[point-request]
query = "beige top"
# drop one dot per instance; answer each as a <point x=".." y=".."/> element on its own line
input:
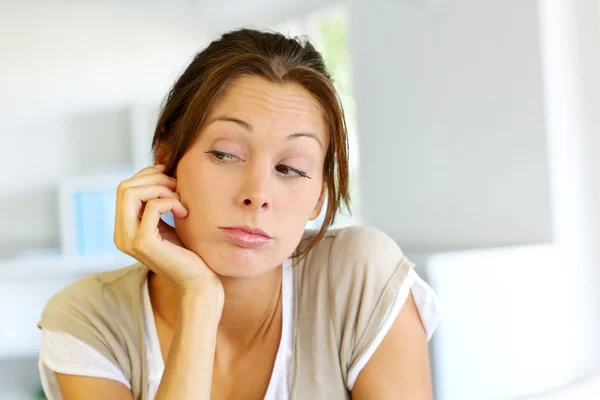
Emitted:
<point x="343" y="288"/>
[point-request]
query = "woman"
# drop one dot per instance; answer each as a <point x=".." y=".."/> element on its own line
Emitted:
<point x="238" y="301"/>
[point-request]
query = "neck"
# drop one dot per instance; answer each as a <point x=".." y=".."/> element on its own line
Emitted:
<point x="252" y="307"/>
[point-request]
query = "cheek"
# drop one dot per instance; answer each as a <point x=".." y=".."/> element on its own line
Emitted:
<point x="301" y="203"/>
<point x="202" y="193"/>
<point x="197" y="181"/>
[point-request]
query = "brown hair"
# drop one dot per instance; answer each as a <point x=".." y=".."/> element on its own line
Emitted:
<point x="276" y="58"/>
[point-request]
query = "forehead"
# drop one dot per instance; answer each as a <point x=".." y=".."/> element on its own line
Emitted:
<point x="261" y="102"/>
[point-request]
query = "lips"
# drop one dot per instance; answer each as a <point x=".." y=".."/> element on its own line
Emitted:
<point x="245" y="236"/>
<point x="253" y="231"/>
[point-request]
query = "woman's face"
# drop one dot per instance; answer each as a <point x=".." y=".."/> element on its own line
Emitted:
<point x="257" y="163"/>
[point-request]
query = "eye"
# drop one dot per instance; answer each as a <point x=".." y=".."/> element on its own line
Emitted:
<point x="222" y="156"/>
<point x="291" y="173"/>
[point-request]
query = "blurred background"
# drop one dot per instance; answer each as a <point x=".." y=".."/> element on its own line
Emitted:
<point x="474" y="141"/>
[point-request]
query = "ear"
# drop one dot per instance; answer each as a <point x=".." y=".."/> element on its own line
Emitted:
<point x="319" y="206"/>
<point x="162" y="154"/>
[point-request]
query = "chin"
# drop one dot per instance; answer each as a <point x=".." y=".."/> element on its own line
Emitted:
<point x="237" y="262"/>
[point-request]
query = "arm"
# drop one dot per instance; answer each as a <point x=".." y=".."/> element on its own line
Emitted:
<point x="189" y="367"/>
<point x="75" y="387"/>
<point x="399" y="368"/>
<point x="188" y="370"/>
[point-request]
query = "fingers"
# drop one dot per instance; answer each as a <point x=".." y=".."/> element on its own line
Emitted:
<point x="154" y="209"/>
<point x="150" y="178"/>
<point x="148" y="184"/>
<point x="148" y="192"/>
<point x="149" y="170"/>
<point x="132" y="202"/>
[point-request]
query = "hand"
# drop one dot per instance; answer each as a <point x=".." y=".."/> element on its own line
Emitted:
<point x="140" y="232"/>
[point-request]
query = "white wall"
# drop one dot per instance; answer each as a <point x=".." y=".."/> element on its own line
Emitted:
<point x="67" y="57"/>
<point x="64" y="56"/>
<point x="450" y="113"/>
<point x="570" y="34"/>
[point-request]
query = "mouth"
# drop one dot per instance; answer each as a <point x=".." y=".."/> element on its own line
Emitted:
<point x="245" y="236"/>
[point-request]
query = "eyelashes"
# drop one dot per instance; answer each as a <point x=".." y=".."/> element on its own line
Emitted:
<point x="285" y="170"/>
<point x="221" y="156"/>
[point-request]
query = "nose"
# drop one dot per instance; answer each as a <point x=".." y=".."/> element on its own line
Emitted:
<point x="254" y="192"/>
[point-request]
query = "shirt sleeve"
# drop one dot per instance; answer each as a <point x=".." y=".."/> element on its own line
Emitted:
<point x="428" y="306"/>
<point x="65" y="354"/>
<point x="366" y="271"/>
<point x="80" y="310"/>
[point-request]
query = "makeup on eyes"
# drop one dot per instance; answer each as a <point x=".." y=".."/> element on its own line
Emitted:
<point x="286" y="170"/>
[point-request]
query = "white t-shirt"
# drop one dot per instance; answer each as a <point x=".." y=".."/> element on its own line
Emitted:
<point x="63" y="353"/>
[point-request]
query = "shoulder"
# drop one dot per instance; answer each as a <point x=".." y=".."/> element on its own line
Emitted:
<point x="365" y="243"/>
<point x="355" y="248"/>
<point x="100" y="311"/>
<point x="91" y="295"/>
<point x="360" y="265"/>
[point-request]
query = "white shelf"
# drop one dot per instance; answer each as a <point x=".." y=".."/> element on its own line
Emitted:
<point x="54" y="266"/>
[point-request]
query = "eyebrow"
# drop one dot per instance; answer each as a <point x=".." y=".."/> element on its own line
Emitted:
<point x="248" y="127"/>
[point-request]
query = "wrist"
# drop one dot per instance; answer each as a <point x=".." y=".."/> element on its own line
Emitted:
<point x="202" y="297"/>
